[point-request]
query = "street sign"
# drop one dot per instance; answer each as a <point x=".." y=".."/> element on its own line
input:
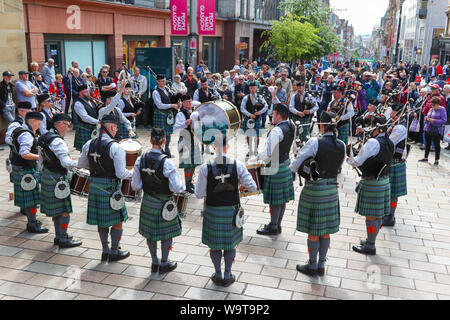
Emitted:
<point x="192" y="44"/>
<point x="243" y="45"/>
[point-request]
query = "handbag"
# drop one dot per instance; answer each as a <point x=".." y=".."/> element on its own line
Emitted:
<point x="415" y="126"/>
<point x="434" y="130"/>
<point x="447" y="132"/>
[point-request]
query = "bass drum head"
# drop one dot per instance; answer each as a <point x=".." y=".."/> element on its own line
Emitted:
<point x="218" y="116"/>
<point x="132" y="146"/>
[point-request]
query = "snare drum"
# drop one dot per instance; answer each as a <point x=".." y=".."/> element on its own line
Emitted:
<point x="181" y="200"/>
<point x="255" y="171"/>
<point x="79" y="185"/>
<point x="221" y="115"/>
<point x="128" y="193"/>
<point x="133" y="149"/>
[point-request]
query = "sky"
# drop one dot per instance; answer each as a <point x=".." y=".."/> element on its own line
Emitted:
<point x="362" y="14"/>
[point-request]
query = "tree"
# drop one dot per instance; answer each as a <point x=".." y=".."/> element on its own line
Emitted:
<point x="291" y="39"/>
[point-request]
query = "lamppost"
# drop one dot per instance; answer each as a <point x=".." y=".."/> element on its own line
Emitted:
<point x="193" y="36"/>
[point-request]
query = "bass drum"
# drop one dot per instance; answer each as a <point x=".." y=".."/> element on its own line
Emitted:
<point x="220" y="115"/>
<point x="133" y="150"/>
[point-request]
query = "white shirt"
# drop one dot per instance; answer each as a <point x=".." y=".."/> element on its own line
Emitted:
<point x="244" y="177"/>
<point x="257" y="98"/>
<point x="169" y="171"/>
<point x="116" y="153"/>
<point x="398" y="134"/>
<point x="370" y="148"/>
<point x="112" y="106"/>
<point x="121" y="106"/>
<point x="25" y="141"/>
<point x="292" y="104"/>
<point x="309" y="150"/>
<point x="348" y="114"/>
<point x="81" y="112"/>
<point x="43" y="128"/>
<point x="13" y="126"/>
<point x="59" y="147"/>
<point x="275" y="137"/>
<point x="157" y="100"/>
<point x="197" y="93"/>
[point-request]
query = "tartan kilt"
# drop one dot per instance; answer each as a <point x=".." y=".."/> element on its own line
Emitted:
<point x="318" y="208"/>
<point x="305" y="120"/>
<point x="152" y="226"/>
<point x="256" y="131"/>
<point x="219" y="232"/>
<point x="190" y="159"/>
<point x="279" y="188"/>
<point x="82" y="135"/>
<point x="99" y="212"/>
<point x="123" y="133"/>
<point x="50" y="205"/>
<point x="343" y="133"/>
<point x="374" y="198"/>
<point x="397" y="179"/>
<point x="160" y="120"/>
<point x="25" y="199"/>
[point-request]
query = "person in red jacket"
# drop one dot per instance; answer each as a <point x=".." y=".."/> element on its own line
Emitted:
<point x="427" y="106"/>
<point x="57" y="92"/>
<point x="439" y="69"/>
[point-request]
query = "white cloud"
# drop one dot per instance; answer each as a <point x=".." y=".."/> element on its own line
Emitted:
<point x="362" y="14"/>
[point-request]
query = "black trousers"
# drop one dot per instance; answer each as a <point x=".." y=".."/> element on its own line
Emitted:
<point x="437" y="145"/>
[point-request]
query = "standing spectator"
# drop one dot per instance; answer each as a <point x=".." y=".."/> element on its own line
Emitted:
<point x="244" y="65"/>
<point x="34" y="66"/>
<point x="75" y="64"/>
<point x="447" y="99"/>
<point x="251" y="78"/>
<point x="447" y="70"/>
<point x="89" y="73"/>
<point x="77" y="81"/>
<point x="240" y="91"/>
<point x="105" y="83"/>
<point x="178" y="86"/>
<point x="286" y="83"/>
<point x="25" y="90"/>
<point x="281" y="93"/>
<point x="414" y="72"/>
<point x="439" y="69"/>
<point x="37" y="81"/>
<point x="67" y="82"/>
<point x="57" y="91"/>
<point x="200" y="68"/>
<point x="371" y="86"/>
<point x="440" y="81"/>
<point x="424" y="73"/>
<point x="48" y="72"/>
<point x="224" y="92"/>
<point x="191" y="82"/>
<point x="8" y="98"/>
<point x="434" y="129"/>
<point x="432" y="71"/>
<point x="180" y="69"/>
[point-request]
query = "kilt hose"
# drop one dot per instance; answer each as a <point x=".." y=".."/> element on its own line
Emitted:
<point x="256" y="131"/>
<point x="99" y="212"/>
<point x="279" y="188"/>
<point x="189" y="158"/>
<point x="160" y="120"/>
<point x="25" y="199"/>
<point x="152" y="226"/>
<point x="374" y="198"/>
<point x="318" y="208"/>
<point x="50" y="205"/>
<point x="218" y="231"/>
<point x="306" y="129"/>
<point x="83" y="135"/>
<point x="343" y="133"/>
<point x="397" y="179"/>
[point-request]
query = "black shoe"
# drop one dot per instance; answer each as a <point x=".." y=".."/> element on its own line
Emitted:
<point x="267" y="231"/>
<point x="105" y="256"/>
<point x="56" y="241"/>
<point x="363" y="242"/>
<point x="423" y="160"/>
<point x="217" y="281"/>
<point x="22" y="211"/>
<point x="170" y="266"/>
<point x="436" y="163"/>
<point x="36" y="229"/>
<point x="279" y="230"/>
<point x="120" y="255"/>
<point x="364" y="250"/>
<point x="305" y="269"/>
<point x="155" y="268"/>
<point x="189" y="189"/>
<point x="389" y="221"/>
<point x="69" y="243"/>
<point x="422" y="147"/>
<point x="321" y="272"/>
<point x="228" y="282"/>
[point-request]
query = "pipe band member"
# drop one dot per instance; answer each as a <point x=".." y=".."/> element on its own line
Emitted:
<point x="218" y="181"/>
<point x="130" y="111"/>
<point x="105" y="159"/>
<point x="344" y="116"/>
<point x="397" y="171"/>
<point x="159" y="178"/>
<point x="318" y="209"/>
<point x="278" y="186"/>
<point x="24" y="156"/>
<point x="55" y="160"/>
<point x="45" y="105"/>
<point x="85" y="115"/>
<point x="374" y="192"/>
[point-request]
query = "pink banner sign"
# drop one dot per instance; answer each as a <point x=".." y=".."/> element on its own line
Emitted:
<point x="207" y="17"/>
<point x="178" y="17"/>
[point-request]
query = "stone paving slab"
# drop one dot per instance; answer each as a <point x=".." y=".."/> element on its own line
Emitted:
<point x="413" y="260"/>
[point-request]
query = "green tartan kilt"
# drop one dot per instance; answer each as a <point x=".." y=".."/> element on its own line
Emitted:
<point x="152" y="226"/>
<point x="25" y="199"/>
<point x="318" y="208"/>
<point x="219" y="232"/>
<point x="99" y="211"/>
<point x="160" y="120"/>
<point x="374" y="198"/>
<point x="279" y="188"/>
<point x="192" y="158"/>
<point x="124" y="134"/>
<point x="82" y="135"/>
<point x="50" y="205"/>
<point x="397" y="179"/>
<point x="343" y="133"/>
<point x="256" y="131"/>
<point x="305" y="120"/>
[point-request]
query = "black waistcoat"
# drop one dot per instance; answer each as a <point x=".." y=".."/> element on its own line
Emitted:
<point x="380" y="162"/>
<point x="164" y="98"/>
<point x="104" y="166"/>
<point x="89" y="109"/>
<point x="202" y="97"/>
<point x="220" y="194"/>
<point x="306" y="104"/>
<point x="48" y="120"/>
<point x="258" y="104"/>
<point x="128" y="107"/>
<point x="330" y="156"/>
<point x="51" y="161"/>
<point x="16" y="158"/>
<point x="155" y="183"/>
<point x="284" y="147"/>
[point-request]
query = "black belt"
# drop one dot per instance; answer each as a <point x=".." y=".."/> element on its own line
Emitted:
<point x="375" y="178"/>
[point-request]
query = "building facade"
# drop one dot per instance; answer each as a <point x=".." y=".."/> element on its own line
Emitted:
<point x="444" y="41"/>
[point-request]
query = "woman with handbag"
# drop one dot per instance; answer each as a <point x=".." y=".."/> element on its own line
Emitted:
<point x="434" y="128"/>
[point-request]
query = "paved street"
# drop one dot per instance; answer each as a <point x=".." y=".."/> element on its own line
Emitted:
<point x="412" y="262"/>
